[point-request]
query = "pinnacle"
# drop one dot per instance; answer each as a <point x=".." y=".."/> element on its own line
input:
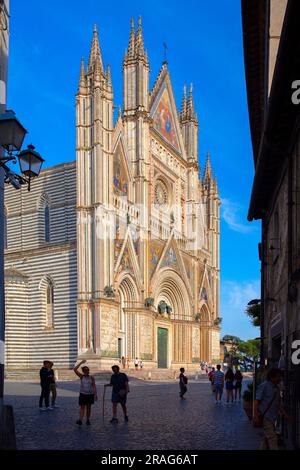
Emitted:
<point x="95" y="51"/>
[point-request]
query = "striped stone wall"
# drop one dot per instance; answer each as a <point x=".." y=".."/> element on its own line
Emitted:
<point x="31" y="262"/>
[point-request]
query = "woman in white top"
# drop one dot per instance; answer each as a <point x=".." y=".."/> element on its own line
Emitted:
<point x="88" y="392"/>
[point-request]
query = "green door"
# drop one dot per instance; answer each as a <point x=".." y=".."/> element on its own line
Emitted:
<point x="162" y="348"/>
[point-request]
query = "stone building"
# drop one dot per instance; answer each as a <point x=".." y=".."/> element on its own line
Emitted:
<point x="117" y="253"/>
<point x="271" y="46"/>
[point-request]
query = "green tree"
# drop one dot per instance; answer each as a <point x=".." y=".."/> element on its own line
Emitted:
<point x="231" y="339"/>
<point x="253" y="311"/>
<point x="246" y="352"/>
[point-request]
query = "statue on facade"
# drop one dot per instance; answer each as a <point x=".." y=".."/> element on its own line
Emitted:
<point x="109" y="291"/>
<point x="149" y="302"/>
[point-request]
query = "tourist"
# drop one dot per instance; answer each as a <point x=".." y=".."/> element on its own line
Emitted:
<point x="127" y="362"/>
<point x="229" y="378"/>
<point x="267" y="408"/>
<point x="238" y="377"/>
<point x="183" y="380"/>
<point x="53" y="387"/>
<point x="88" y="393"/>
<point x="211" y="379"/>
<point x="45" y="386"/>
<point x="136" y="363"/>
<point x="218" y="382"/>
<point x="141" y="364"/>
<point x="123" y="362"/>
<point x="120" y="389"/>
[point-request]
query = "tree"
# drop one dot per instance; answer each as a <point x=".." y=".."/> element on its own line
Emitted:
<point x="231" y="339"/>
<point x="246" y="352"/>
<point x="253" y="311"/>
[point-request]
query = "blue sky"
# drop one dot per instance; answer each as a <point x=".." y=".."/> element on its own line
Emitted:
<point x="47" y="41"/>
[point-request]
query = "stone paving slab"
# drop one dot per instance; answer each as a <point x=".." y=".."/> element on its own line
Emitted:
<point x="157" y="420"/>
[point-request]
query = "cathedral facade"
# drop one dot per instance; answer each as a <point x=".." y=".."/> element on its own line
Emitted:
<point x="117" y="253"/>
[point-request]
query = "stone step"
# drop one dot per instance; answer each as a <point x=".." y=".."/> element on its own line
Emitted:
<point x="68" y="374"/>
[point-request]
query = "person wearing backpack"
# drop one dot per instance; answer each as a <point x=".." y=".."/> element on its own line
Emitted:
<point x="211" y="379"/>
<point x="183" y="380"/>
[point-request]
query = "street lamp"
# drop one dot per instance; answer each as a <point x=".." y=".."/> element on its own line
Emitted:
<point x="30" y="162"/>
<point x="12" y="132"/>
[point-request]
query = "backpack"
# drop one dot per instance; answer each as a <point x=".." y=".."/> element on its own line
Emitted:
<point x="185" y="380"/>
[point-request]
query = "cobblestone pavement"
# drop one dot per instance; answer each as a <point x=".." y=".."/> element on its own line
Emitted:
<point x="158" y="420"/>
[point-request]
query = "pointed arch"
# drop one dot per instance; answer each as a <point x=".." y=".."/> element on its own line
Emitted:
<point x="170" y="287"/>
<point x="127" y="288"/>
<point x="128" y="294"/>
<point x="46" y="287"/>
<point x="44" y="217"/>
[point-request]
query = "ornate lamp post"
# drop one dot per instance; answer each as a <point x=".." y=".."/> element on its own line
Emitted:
<point x="12" y="134"/>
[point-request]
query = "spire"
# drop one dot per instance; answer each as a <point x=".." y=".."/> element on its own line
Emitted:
<point x="131" y="44"/>
<point x="95" y="51"/>
<point x="183" y="104"/>
<point x="82" y="82"/>
<point x="190" y="105"/>
<point x="208" y="170"/>
<point x="139" y="41"/>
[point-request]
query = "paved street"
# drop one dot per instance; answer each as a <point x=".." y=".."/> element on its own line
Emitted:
<point x="158" y="420"/>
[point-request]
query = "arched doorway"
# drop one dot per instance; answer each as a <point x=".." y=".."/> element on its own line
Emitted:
<point x="173" y="341"/>
<point x="128" y="297"/>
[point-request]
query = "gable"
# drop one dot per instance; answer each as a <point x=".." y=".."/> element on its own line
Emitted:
<point x="155" y="250"/>
<point x="205" y="293"/>
<point x="164" y="115"/>
<point x="171" y="258"/>
<point x="163" y="120"/>
<point x="128" y="260"/>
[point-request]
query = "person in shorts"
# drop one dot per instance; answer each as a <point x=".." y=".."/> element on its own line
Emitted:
<point x="120" y="389"/>
<point x="218" y="381"/>
<point x="88" y="393"/>
<point x="238" y="377"/>
<point x="229" y="378"/>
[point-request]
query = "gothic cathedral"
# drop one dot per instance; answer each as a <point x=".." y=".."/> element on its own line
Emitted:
<point x="128" y="264"/>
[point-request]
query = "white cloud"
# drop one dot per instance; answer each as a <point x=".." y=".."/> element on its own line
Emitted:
<point x="230" y="212"/>
<point x="234" y="298"/>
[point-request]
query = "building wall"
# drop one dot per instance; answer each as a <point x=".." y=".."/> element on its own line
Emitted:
<point x="282" y="320"/>
<point x="30" y="262"/>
